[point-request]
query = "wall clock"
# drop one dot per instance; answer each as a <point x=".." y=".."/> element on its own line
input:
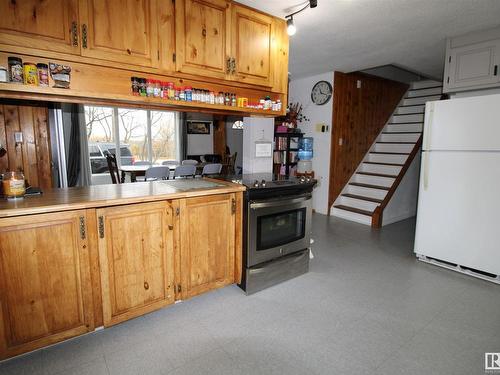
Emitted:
<point x="321" y="92"/>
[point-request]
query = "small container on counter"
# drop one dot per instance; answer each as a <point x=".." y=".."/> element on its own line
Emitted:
<point x="30" y="74"/>
<point x="13" y="184"/>
<point x="15" y="69"/>
<point x="43" y="74"/>
<point x="177" y="93"/>
<point x="182" y="93"/>
<point x="3" y="74"/>
<point x="164" y="90"/>
<point x="233" y="100"/>
<point x="212" y="97"/>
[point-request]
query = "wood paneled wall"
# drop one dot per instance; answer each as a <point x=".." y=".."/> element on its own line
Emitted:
<point x="33" y="155"/>
<point x="359" y="114"/>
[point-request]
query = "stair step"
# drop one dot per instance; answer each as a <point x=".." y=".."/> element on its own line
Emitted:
<point x="351" y="216"/>
<point x="389" y="153"/>
<point x="388" y="170"/>
<point x="403" y="128"/>
<point x="401" y="133"/>
<point x="424" y="84"/>
<point x="352" y="209"/>
<point x="410" y="110"/>
<point x="365" y="192"/>
<point x="399" y="137"/>
<point x="377" y="174"/>
<point x="361" y="204"/>
<point x="396" y="143"/>
<point x="369" y="186"/>
<point x="398" y="147"/>
<point x="369" y="199"/>
<point x="420" y="99"/>
<point x="387" y="158"/>
<point x="378" y="163"/>
<point x="437" y="90"/>
<point x="407" y="118"/>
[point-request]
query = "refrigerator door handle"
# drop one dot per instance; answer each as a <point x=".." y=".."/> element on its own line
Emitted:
<point x="425" y="169"/>
<point x="429" y="115"/>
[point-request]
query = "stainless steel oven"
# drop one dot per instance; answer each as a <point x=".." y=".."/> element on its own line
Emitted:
<point x="277" y="227"/>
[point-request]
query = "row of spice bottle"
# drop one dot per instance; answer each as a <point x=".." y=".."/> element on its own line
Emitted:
<point x="27" y="73"/>
<point x="168" y="90"/>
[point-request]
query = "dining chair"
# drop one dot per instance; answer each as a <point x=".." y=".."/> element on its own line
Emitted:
<point x="113" y="168"/>
<point x="189" y="162"/>
<point x="171" y="162"/>
<point x="157" y="173"/>
<point x="185" y="171"/>
<point x="211" y="169"/>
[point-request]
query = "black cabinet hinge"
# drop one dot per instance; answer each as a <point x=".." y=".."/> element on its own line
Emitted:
<point x="179" y="289"/>
<point x="449" y="59"/>
<point x="448" y="80"/>
<point x="233" y="206"/>
<point x="174" y="57"/>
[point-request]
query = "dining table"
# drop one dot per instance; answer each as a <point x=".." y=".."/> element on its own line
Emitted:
<point x="139" y="170"/>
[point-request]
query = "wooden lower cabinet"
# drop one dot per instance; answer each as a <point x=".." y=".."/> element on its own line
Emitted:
<point x="45" y="287"/>
<point x="136" y="259"/>
<point x="207" y="243"/>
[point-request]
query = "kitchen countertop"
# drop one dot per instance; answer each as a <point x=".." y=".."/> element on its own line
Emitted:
<point x="65" y="199"/>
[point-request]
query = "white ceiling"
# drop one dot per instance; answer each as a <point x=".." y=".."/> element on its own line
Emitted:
<point x="349" y="35"/>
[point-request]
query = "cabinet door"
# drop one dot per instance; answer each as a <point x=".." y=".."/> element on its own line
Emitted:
<point x="251" y="46"/>
<point x="45" y="25"/>
<point x="207" y="243"/>
<point x="473" y="65"/>
<point x="45" y="287"/>
<point x="120" y="31"/>
<point x="202" y="37"/>
<point x="136" y="259"/>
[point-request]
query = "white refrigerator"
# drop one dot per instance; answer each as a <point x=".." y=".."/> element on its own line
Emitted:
<point x="458" y="216"/>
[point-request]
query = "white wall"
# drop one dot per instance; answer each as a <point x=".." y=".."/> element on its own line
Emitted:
<point x="300" y="91"/>
<point x="200" y="144"/>
<point x="256" y="129"/>
<point x="403" y="203"/>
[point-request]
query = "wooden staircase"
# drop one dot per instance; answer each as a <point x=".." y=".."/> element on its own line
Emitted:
<point x="375" y="181"/>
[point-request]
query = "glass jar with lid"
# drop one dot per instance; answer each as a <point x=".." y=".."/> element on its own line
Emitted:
<point x="13" y="184"/>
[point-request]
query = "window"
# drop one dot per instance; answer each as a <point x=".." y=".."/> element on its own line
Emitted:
<point x="140" y="135"/>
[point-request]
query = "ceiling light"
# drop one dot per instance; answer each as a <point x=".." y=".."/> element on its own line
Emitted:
<point x="290" y="27"/>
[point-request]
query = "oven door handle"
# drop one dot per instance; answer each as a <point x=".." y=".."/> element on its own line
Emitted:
<point x="279" y="202"/>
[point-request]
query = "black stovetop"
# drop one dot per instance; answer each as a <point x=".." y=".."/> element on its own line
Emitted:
<point x="266" y="184"/>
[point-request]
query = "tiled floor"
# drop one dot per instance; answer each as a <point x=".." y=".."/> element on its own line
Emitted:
<point x="366" y="307"/>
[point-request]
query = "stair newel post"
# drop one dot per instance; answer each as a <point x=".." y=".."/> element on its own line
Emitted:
<point x="377" y="217"/>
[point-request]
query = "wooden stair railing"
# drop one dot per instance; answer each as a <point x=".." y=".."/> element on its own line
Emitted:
<point x="379" y="211"/>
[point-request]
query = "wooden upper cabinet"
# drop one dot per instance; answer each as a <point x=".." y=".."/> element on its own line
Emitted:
<point x="45" y="287"/>
<point x="202" y="37"/>
<point x="207" y="243"/>
<point x="50" y="25"/>
<point x="120" y="31"/>
<point x="136" y="259"/>
<point x="251" y="46"/>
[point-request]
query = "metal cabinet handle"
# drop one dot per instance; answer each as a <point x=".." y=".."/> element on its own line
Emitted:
<point x="82" y="227"/>
<point x="495" y="70"/>
<point x="233" y="65"/>
<point x="228" y="65"/>
<point x="101" y="227"/>
<point x="146" y="285"/>
<point x="74" y="33"/>
<point x="84" y="36"/>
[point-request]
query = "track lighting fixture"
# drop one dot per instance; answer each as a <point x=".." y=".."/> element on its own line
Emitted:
<point x="290" y="26"/>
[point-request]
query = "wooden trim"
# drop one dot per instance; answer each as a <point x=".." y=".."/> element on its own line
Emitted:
<point x="359" y="115"/>
<point x="377" y="214"/>
<point x="95" y="269"/>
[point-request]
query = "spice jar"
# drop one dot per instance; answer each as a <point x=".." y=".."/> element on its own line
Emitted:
<point x="182" y="93"/>
<point x="135" y="85"/>
<point x="142" y="87"/>
<point x="43" y="74"/>
<point x="30" y="74"/>
<point x="189" y="93"/>
<point x="15" y="69"/>
<point x="13" y="185"/>
<point x="3" y="74"/>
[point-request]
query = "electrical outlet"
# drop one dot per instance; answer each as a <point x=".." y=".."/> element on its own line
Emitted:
<point x="321" y="127"/>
